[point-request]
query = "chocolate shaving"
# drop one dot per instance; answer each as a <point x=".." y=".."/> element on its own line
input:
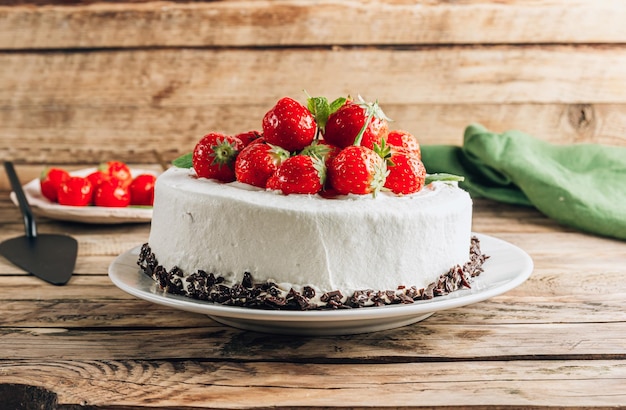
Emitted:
<point x="267" y="295"/>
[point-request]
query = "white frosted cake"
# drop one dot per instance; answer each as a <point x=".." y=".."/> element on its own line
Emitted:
<point x="236" y="244"/>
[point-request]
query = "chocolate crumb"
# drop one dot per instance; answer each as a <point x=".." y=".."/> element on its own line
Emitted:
<point x="267" y="295"/>
<point x="247" y="280"/>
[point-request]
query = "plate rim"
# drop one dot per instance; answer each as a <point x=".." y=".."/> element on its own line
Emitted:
<point x="456" y="299"/>
<point x="91" y="214"/>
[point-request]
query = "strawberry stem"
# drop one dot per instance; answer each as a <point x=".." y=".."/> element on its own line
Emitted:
<point x="359" y="136"/>
<point x="372" y="110"/>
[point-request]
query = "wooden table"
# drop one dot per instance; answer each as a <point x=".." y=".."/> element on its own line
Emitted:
<point x="142" y="80"/>
<point x="558" y="340"/>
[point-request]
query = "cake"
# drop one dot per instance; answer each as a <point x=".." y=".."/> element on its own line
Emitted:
<point x="310" y="245"/>
<point x="259" y="245"/>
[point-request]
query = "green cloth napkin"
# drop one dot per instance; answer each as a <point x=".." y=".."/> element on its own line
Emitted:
<point x="580" y="185"/>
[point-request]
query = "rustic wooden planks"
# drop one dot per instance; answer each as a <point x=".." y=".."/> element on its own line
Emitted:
<point x="63" y="107"/>
<point x="556" y="340"/>
<point x="141" y="81"/>
<point x="527" y="384"/>
<point x="428" y="341"/>
<point x="106" y="24"/>
<point x="137" y="81"/>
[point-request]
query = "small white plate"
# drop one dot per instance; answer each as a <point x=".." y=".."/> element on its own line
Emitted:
<point x="507" y="267"/>
<point x="41" y="206"/>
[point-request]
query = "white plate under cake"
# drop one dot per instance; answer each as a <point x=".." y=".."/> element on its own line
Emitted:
<point x="507" y="267"/>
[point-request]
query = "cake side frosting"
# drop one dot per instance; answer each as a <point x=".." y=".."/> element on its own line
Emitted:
<point x="347" y="244"/>
<point x="205" y="286"/>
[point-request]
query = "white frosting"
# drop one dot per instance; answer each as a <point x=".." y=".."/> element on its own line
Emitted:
<point x="349" y="243"/>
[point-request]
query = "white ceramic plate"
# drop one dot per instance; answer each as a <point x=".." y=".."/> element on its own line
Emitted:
<point x="507" y="267"/>
<point x="41" y="206"/>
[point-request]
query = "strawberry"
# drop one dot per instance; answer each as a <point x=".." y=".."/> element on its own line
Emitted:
<point x="257" y="162"/>
<point x="357" y="170"/>
<point x="214" y="156"/>
<point x="289" y="124"/>
<point x="75" y="191"/>
<point x="112" y="193"/>
<point x="248" y="137"/>
<point x="300" y="174"/>
<point x="142" y="190"/>
<point x="404" y="139"/>
<point x="406" y="172"/>
<point x="356" y="124"/>
<point x="50" y="180"/>
<point x="97" y="177"/>
<point x="117" y="170"/>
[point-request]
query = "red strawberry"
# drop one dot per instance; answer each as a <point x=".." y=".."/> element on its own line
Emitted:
<point x="357" y="170"/>
<point x="75" y="191"/>
<point x="406" y="172"/>
<point x="50" y="181"/>
<point x="111" y="193"/>
<point x="257" y="162"/>
<point x="356" y="124"/>
<point x="289" y="124"/>
<point x="300" y="174"/>
<point x="118" y="171"/>
<point x="248" y="137"/>
<point x="404" y="139"/>
<point x="142" y="190"/>
<point x="214" y="156"/>
<point x="97" y="177"/>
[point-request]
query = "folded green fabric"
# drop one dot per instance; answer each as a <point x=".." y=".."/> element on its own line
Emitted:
<point x="580" y="185"/>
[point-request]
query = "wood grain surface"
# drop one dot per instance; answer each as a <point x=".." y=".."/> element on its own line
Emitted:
<point x="113" y="24"/>
<point x="88" y="81"/>
<point x="556" y="341"/>
<point x="141" y="81"/>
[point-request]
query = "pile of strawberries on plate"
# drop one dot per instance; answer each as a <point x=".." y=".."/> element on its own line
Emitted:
<point x="339" y="147"/>
<point x="110" y="185"/>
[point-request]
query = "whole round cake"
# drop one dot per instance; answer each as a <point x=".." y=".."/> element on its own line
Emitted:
<point x="317" y="231"/>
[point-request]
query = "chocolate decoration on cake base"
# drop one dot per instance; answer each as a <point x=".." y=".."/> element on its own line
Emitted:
<point x="267" y="295"/>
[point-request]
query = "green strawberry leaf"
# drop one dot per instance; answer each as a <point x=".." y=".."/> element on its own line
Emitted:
<point x="443" y="177"/>
<point x="184" y="161"/>
<point x="320" y="167"/>
<point x="316" y="150"/>
<point x="373" y="109"/>
<point x="384" y="151"/>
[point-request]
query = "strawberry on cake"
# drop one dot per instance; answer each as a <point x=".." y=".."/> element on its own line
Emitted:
<point x="325" y="208"/>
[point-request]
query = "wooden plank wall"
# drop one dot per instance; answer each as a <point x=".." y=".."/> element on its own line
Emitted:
<point x="142" y="81"/>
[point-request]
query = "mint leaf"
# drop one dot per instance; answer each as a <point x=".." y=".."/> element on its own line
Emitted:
<point x="320" y="109"/>
<point x="443" y="177"/>
<point x="184" y="161"/>
<point x="337" y="104"/>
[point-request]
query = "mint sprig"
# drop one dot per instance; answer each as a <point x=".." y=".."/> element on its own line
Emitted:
<point x="322" y="109"/>
<point x="337" y="104"/>
<point x="443" y="177"/>
<point x="184" y="161"/>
